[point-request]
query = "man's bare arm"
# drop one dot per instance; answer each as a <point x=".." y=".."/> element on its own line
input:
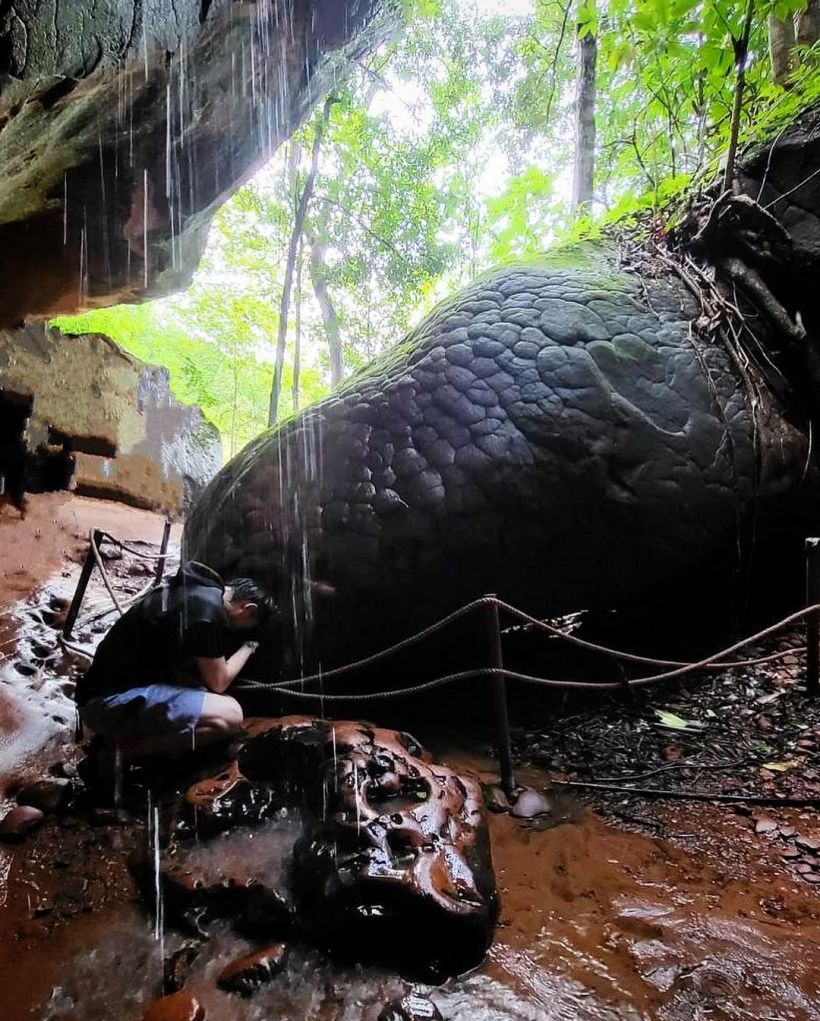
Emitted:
<point x="219" y="674"/>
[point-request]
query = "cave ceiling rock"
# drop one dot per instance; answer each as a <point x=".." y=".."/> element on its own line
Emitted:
<point x="125" y="125"/>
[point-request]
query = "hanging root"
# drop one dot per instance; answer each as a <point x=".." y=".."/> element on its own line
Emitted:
<point x="757" y="291"/>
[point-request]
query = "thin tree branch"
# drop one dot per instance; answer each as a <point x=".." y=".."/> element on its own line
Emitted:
<point x="295" y="234"/>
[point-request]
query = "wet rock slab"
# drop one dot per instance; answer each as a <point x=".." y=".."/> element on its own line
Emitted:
<point x="248" y="973"/>
<point x="181" y="1006"/>
<point x="20" y="821"/>
<point x="342" y="835"/>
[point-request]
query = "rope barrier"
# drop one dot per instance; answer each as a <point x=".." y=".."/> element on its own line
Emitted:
<point x="384" y="653"/>
<point x="286" y="688"/>
<point x="620" y="654"/>
<point x="139" y="553"/>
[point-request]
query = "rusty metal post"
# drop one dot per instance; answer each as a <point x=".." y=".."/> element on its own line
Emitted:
<point x="82" y="585"/>
<point x="163" y="549"/>
<point x="499" y="683"/>
<point x="813" y="619"/>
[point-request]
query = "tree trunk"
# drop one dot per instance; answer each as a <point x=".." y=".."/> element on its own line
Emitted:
<point x="293" y="244"/>
<point x="297" y="327"/>
<point x="781" y="48"/>
<point x="318" y="276"/>
<point x="584" y="170"/>
<point x="741" y="46"/>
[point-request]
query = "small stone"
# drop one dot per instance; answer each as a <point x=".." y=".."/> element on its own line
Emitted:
<point x="178" y="966"/>
<point x="64" y="769"/>
<point x="19" y="822"/>
<point x="791" y="855"/>
<point x="41" y="907"/>
<point x="787" y="832"/>
<point x="495" y="799"/>
<point x="531" y="803"/>
<point x="812" y="877"/>
<point x="803" y="868"/>
<point x="246" y="974"/>
<point x="765" y="825"/>
<point x="810" y="844"/>
<point x="412" y="1007"/>
<point x="47" y="795"/>
<point x="181" y="1006"/>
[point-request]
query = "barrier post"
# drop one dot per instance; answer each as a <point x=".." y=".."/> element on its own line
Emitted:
<point x="502" y="721"/>
<point x="82" y="585"/>
<point x="813" y="619"/>
<point x="163" y="549"/>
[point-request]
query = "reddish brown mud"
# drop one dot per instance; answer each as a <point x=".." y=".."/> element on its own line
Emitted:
<point x="678" y="912"/>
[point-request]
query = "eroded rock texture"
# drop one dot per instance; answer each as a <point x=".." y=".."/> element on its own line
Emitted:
<point x="558" y="433"/>
<point x="124" y="126"/>
<point x="383" y="856"/>
<point x="129" y="439"/>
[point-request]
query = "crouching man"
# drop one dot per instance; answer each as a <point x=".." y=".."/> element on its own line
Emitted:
<point x="158" y="679"/>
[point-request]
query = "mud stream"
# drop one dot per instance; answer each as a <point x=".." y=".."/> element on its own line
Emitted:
<point x="597" y="922"/>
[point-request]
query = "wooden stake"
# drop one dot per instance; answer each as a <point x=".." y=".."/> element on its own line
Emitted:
<point x="501" y="716"/>
<point x="813" y="619"/>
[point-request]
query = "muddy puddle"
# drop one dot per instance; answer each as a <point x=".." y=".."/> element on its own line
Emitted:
<point x="596" y="923"/>
<point x="683" y="912"/>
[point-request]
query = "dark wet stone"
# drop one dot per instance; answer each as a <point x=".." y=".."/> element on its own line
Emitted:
<point x="193" y="898"/>
<point x="246" y="975"/>
<point x="19" y="822"/>
<point x="495" y="799"/>
<point x="530" y="804"/>
<point x="228" y="799"/>
<point x="178" y="967"/>
<point x="48" y="795"/>
<point x="412" y="1007"/>
<point x="416" y="851"/>
<point x="181" y="1006"/>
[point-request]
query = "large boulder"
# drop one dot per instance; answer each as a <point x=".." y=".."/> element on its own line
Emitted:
<point x="559" y="433"/>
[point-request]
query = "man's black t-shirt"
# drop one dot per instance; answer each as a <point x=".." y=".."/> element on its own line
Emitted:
<point x="157" y="639"/>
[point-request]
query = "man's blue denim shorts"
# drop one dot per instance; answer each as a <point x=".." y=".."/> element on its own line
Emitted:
<point x="153" y="710"/>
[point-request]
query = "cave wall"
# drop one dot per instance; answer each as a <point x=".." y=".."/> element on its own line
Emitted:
<point x="124" y="125"/>
<point x="132" y="440"/>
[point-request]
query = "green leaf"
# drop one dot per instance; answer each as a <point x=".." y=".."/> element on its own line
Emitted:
<point x="671" y="720"/>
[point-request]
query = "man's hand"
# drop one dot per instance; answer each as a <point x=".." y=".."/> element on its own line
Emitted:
<point x="219" y="674"/>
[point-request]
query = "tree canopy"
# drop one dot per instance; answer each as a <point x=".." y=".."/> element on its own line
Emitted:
<point x="450" y="150"/>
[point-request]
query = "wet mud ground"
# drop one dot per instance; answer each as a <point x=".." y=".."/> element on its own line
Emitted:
<point x="613" y="905"/>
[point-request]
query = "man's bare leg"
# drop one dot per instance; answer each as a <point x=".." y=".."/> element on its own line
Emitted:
<point x="221" y="719"/>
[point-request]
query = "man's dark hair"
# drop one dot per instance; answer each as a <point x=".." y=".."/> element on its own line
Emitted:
<point x="245" y="590"/>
